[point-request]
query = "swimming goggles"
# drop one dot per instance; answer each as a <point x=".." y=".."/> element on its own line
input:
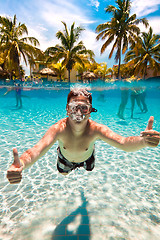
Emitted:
<point x="83" y="107"/>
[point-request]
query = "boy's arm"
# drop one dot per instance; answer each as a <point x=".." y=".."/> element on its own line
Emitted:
<point x="148" y="138"/>
<point x="32" y="155"/>
<point x="8" y="91"/>
<point x="14" y="173"/>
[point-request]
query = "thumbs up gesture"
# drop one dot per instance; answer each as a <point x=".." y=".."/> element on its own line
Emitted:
<point x="14" y="173"/>
<point x="151" y="136"/>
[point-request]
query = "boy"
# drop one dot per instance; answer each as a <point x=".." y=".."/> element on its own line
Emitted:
<point x="76" y="135"/>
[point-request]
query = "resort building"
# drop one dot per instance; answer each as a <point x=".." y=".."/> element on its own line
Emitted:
<point x="150" y="73"/>
<point x="41" y="70"/>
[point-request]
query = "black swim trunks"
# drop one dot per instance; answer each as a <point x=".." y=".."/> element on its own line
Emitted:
<point x="65" y="166"/>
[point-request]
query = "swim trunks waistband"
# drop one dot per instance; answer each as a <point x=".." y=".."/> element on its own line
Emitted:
<point x="65" y="166"/>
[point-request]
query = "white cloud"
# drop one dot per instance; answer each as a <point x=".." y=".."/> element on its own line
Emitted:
<point x="43" y="20"/>
<point x="39" y="33"/>
<point x="95" y="3"/>
<point x="89" y="40"/>
<point x="154" y="23"/>
<point x="50" y="18"/>
<point x="144" y="7"/>
<point x="53" y="13"/>
<point x="47" y="21"/>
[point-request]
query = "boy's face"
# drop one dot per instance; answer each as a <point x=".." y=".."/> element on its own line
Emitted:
<point x="79" y="108"/>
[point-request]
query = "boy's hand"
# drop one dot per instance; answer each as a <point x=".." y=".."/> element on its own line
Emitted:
<point x="151" y="136"/>
<point x="14" y="173"/>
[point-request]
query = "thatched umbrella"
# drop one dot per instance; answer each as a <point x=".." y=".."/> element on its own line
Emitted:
<point x="3" y="72"/>
<point x="48" y="72"/>
<point x="89" y="75"/>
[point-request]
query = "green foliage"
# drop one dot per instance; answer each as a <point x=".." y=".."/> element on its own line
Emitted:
<point x="102" y="71"/>
<point x="14" y="45"/>
<point x="59" y="69"/>
<point x="145" y="52"/>
<point x="70" y="51"/>
<point x="122" y="30"/>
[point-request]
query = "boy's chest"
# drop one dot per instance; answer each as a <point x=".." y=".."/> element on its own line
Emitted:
<point x="76" y="149"/>
<point x="71" y="143"/>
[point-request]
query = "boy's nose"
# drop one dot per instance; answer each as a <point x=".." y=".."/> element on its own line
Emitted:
<point x="79" y="110"/>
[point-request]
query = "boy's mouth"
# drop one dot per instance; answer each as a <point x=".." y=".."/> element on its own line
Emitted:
<point x="77" y="117"/>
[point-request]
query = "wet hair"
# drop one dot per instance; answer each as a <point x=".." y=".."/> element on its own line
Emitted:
<point x="75" y="92"/>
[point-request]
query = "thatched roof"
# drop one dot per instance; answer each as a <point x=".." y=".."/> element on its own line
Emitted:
<point x="47" y="71"/>
<point x="3" y="72"/>
<point x="89" y="75"/>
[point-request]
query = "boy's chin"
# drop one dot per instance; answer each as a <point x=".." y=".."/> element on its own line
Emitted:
<point x="78" y="120"/>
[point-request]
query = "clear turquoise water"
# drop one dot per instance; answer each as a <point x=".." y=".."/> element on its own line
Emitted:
<point x="121" y="193"/>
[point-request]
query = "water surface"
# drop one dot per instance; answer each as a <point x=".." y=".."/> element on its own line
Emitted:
<point x="119" y="199"/>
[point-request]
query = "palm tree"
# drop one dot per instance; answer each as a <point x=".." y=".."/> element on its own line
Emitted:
<point x="127" y="70"/>
<point x="80" y="69"/>
<point x="103" y="71"/>
<point x="122" y="29"/>
<point x="14" y="46"/>
<point x="69" y="51"/>
<point x="59" y="69"/>
<point x="146" y="52"/>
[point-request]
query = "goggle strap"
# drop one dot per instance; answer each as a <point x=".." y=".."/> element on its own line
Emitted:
<point x="93" y="110"/>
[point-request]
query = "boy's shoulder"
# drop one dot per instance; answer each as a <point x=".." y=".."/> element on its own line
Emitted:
<point x="60" y="125"/>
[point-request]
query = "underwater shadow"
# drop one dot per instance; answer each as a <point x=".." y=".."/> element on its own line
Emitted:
<point x="136" y="118"/>
<point x="16" y="108"/>
<point x="75" y="225"/>
<point x="122" y="122"/>
<point x="141" y="113"/>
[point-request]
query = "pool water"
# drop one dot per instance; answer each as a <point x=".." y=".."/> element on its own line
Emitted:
<point x="119" y="199"/>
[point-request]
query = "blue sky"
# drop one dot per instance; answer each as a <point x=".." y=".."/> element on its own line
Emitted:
<point x="43" y="19"/>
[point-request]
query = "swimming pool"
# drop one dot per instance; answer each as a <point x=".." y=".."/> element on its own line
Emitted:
<point x="119" y="199"/>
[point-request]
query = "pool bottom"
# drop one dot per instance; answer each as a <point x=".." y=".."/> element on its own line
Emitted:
<point x="120" y="196"/>
<point x="119" y="199"/>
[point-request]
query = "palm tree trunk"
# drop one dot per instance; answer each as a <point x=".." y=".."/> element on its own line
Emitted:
<point x="19" y="70"/>
<point x="69" y="75"/>
<point x="30" y="69"/>
<point x="119" y="64"/>
<point x="145" y="71"/>
<point x="119" y="58"/>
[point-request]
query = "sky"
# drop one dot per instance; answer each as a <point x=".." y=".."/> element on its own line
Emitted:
<point x="43" y="19"/>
